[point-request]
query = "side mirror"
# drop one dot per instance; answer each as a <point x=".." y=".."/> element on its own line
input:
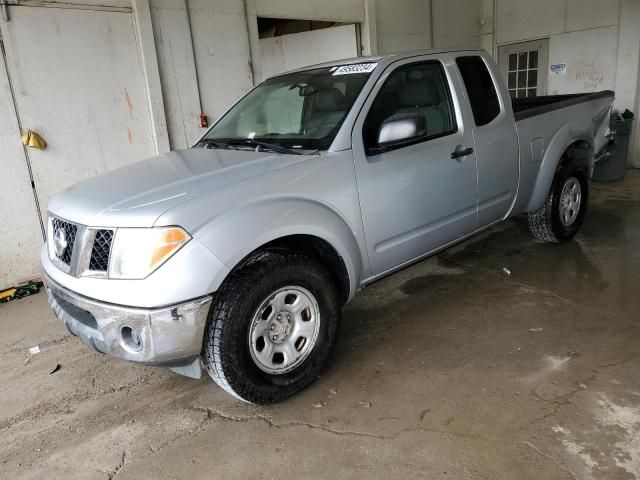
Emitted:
<point x="399" y="129"/>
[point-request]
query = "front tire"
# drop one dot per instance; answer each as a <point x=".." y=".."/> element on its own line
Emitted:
<point x="563" y="212"/>
<point x="271" y="326"/>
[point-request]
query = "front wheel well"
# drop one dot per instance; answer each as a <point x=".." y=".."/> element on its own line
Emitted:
<point x="317" y="248"/>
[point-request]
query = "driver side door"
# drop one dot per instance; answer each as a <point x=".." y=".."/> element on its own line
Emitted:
<point x="418" y="193"/>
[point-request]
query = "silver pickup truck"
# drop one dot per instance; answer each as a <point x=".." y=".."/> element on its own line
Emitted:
<point x="238" y="253"/>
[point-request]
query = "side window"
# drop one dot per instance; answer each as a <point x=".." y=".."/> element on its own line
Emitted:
<point x="480" y="89"/>
<point x="413" y="105"/>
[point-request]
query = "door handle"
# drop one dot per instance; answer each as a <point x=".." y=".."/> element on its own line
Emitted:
<point x="461" y="152"/>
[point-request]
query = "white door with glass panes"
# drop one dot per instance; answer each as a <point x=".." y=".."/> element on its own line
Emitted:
<point x="74" y="76"/>
<point x="524" y="68"/>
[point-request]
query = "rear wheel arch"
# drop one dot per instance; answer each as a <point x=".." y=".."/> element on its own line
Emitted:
<point x="561" y="150"/>
<point x="562" y="213"/>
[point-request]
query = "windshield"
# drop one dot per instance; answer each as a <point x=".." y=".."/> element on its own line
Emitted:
<point x="301" y="110"/>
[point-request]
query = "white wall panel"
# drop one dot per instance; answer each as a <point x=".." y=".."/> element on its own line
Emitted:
<point x="89" y="4"/>
<point x="457" y="23"/>
<point x="628" y="73"/>
<point x="221" y="44"/>
<point x="401" y="42"/>
<point x="346" y="11"/>
<point x="403" y="26"/>
<point x="20" y="236"/>
<point x="628" y="55"/>
<point x="83" y="91"/>
<point x="584" y="14"/>
<point x="519" y="20"/>
<point x="288" y="52"/>
<point x="177" y="72"/>
<point x="590" y="56"/>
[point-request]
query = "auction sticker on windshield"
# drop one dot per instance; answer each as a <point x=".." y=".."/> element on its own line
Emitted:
<point x="355" y="68"/>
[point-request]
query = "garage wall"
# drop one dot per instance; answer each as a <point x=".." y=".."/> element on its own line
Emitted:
<point x="599" y="40"/>
<point x="222" y="53"/>
<point x="403" y="27"/>
<point x="590" y="56"/>
<point x="408" y="25"/>
<point x="345" y="11"/>
<point x="297" y="50"/>
<point x="85" y="83"/>
<point x="176" y="63"/>
<point x="211" y="80"/>
<point x="457" y="23"/>
<point x="20" y="236"/>
<point x="224" y="68"/>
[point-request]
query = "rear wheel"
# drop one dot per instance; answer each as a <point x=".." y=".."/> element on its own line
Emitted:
<point x="271" y="327"/>
<point x="563" y="212"/>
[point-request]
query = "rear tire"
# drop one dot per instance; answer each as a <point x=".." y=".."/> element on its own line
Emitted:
<point x="563" y="211"/>
<point x="280" y="295"/>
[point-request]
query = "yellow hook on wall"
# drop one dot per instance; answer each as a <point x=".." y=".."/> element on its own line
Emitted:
<point x="32" y="139"/>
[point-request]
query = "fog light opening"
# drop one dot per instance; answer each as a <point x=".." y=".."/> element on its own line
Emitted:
<point x="131" y="339"/>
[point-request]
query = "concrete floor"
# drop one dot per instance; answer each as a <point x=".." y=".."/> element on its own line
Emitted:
<point x="449" y="369"/>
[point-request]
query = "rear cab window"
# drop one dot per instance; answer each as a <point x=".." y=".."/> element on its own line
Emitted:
<point x="480" y="88"/>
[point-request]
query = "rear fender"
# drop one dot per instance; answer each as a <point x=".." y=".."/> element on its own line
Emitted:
<point x="559" y="144"/>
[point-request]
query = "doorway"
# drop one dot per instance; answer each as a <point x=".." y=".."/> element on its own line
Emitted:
<point x="78" y="83"/>
<point x="524" y="67"/>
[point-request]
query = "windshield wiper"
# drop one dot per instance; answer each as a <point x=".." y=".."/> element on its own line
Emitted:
<point x="252" y="142"/>
<point x="211" y="143"/>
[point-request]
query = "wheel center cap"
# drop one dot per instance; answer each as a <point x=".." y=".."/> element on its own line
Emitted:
<point x="280" y="327"/>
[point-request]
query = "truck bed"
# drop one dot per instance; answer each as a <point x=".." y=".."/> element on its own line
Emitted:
<point x="532" y="106"/>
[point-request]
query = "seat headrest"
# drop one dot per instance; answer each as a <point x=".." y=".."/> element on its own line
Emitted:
<point x="419" y="93"/>
<point x="330" y="100"/>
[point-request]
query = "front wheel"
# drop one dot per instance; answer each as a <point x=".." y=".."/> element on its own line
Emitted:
<point x="563" y="212"/>
<point x="271" y="327"/>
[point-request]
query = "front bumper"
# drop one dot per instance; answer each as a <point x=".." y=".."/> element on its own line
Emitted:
<point x="169" y="336"/>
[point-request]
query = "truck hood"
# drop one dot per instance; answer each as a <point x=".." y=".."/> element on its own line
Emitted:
<point x="136" y="195"/>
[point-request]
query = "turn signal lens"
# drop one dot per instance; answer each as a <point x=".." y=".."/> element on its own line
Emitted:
<point x="170" y="241"/>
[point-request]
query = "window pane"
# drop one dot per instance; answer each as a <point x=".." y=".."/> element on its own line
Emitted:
<point x="512" y="80"/>
<point x="533" y="78"/>
<point x="298" y="109"/>
<point x="522" y="93"/>
<point x="418" y="90"/>
<point x="282" y="112"/>
<point x="531" y="92"/>
<point x="533" y="59"/>
<point x="512" y="93"/>
<point x="522" y="79"/>
<point x="513" y="61"/>
<point x="480" y="89"/>
<point x="522" y="61"/>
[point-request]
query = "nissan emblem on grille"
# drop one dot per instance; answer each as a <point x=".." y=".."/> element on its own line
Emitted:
<point x="63" y="237"/>
<point x="60" y="242"/>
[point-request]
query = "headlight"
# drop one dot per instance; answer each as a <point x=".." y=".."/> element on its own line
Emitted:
<point x="137" y="252"/>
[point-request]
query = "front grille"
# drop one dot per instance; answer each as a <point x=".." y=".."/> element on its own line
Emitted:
<point x="64" y="237"/>
<point x="101" y="249"/>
